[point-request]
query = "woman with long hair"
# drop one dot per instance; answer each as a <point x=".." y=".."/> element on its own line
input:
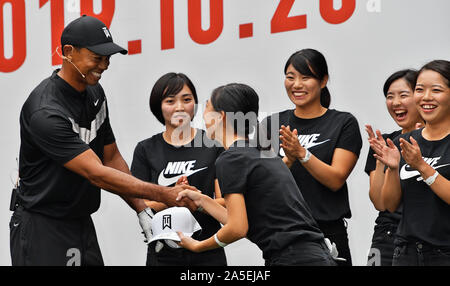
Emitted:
<point x="320" y="145"/>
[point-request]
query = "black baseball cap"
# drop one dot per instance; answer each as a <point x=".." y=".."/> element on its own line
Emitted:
<point x="90" y="33"/>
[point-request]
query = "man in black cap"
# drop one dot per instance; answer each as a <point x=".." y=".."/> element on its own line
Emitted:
<point x="68" y="153"/>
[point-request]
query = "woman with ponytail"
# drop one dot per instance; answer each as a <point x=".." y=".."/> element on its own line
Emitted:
<point x="320" y="145"/>
<point x="263" y="202"/>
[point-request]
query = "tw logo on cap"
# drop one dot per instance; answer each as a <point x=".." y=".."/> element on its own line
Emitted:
<point x="106" y="31"/>
<point x="167" y="221"/>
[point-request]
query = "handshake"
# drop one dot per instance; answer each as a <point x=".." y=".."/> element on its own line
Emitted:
<point x="173" y="199"/>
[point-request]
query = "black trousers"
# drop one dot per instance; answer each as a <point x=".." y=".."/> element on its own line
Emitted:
<point x="39" y="240"/>
<point x="419" y="253"/>
<point x="168" y="256"/>
<point x="302" y="253"/>
<point x="336" y="231"/>
<point x="382" y="248"/>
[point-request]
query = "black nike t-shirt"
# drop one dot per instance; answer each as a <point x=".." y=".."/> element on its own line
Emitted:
<point x="321" y="136"/>
<point x="384" y="217"/>
<point x="426" y="217"/>
<point x="161" y="163"/>
<point x="57" y="123"/>
<point x="277" y="213"/>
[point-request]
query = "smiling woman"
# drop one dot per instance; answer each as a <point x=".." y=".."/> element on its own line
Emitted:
<point x="318" y="144"/>
<point x="418" y="175"/>
<point x="399" y="95"/>
<point x="175" y="155"/>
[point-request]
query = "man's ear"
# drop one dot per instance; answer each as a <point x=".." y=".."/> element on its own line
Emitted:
<point x="68" y="51"/>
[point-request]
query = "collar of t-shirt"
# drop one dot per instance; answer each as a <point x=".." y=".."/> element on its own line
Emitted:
<point x="298" y="120"/>
<point x="66" y="88"/>
<point x="240" y="143"/>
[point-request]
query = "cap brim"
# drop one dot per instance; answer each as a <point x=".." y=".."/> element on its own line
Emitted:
<point x="169" y="235"/>
<point x="107" y="49"/>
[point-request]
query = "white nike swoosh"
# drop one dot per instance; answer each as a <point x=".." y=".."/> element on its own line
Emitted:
<point x="95" y="103"/>
<point x="404" y="174"/>
<point x="16" y="224"/>
<point x="163" y="181"/>
<point x="310" y="145"/>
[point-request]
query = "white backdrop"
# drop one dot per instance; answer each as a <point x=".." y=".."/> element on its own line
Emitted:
<point x="376" y="40"/>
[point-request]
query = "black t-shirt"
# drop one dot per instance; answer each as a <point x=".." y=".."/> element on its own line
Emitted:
<point x="277" y="213"/>
<point x="384" y="217"/>
<point x="161" y="163"/>
<point x="426" y="216"/>
<point x="321" y="136"/>
<point x="57" y="123"/>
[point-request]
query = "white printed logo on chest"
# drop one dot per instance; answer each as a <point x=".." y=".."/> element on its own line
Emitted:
<point x="179" y="168"/>
<point x="307" y="141"/>
<point x="407" y="173"/>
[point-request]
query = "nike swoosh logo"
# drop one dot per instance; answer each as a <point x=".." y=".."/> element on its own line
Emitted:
<point x="310" y="145"/>
<point x="95" y="103"/>
<point x="163" y="181"/>
<point x="16" y="224"/>
<point x="404" y="174"/>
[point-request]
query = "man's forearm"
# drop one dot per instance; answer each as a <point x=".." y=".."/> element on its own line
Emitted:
<point x="119" y="163"/>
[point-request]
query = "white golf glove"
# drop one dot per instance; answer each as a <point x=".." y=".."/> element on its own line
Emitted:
<point x="333" y="250"/>
<point x="145" y="220"/>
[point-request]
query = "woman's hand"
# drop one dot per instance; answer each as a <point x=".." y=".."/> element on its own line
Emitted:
<point x="182" y="181"/>
<point x="386" y="154"/>
<point x="195" y="196"/>
<point x="188" y="242"/>
<point x="290" y="144"/>
<point x="411" y="153"/>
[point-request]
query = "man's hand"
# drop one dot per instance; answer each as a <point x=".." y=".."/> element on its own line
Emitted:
<point x="145" y="221"/>
<point x="169" y="197"/>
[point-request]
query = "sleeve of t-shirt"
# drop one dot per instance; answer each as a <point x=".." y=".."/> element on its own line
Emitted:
<point x="350" y="137"/>
<point x="140" y="167"/>
<point x="53" y="134"/>
<point x="370" y="162"/>
<point x="231" y="171"/>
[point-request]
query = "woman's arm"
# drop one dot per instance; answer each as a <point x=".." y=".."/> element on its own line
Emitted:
<point x="218" y="194"/>
<point x="413" y="156"/>
<point x="391" y="192"/>
<point x="376" y="184"/>
<point x="332" y="176"/>
<point x="377" y="175"/>
<point x="235" y="228"/>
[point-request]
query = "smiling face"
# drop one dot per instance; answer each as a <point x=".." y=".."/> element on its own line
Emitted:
<point x="401" y="105"/>
<point x="432" y="97"/>
<point x="303" y="90"/>
<point x="178" y="109"/>
<point x="90" y="64"/>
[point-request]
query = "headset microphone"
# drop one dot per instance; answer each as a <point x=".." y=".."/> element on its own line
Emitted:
<point x="70" y="61"/>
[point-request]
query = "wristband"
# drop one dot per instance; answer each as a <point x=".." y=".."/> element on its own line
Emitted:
<point x="306" y="158"/>
<point x="430" y="180"/>
<point x="220" y="243"/>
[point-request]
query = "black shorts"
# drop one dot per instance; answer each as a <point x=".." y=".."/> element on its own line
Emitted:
<point x="39" y="240"/>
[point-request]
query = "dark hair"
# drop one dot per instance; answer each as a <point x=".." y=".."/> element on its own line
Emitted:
<point x="440" y="66"/>
<point x="410" y="76"/>
<point x="311" y="63"/>
<point x="169" y="84"/>
<point x="242" y="103"/>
